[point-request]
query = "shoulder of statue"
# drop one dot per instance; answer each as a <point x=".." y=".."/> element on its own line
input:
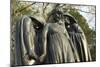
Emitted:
<point x="46" y="26"/>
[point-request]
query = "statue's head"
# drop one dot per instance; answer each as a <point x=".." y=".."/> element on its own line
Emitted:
<point x="58" y="16"/>
<point x="69" y="19"/>
<point x="36" y="23"/>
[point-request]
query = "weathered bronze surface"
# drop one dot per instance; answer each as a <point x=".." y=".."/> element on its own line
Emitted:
<point x="60" y="40"/>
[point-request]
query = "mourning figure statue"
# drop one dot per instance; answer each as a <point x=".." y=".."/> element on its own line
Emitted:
<point x="27" y="34"/>
<point x="78" y="39"/>
<point x="59" y="40"/>
<point x="56" y="40"/>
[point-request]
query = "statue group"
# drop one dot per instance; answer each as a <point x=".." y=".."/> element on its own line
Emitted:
<point x="60" y="40"/>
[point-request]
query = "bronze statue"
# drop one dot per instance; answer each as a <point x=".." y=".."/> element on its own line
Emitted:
<point x="56" y="41"/>
<point x="27" y="35"/>
<point x="77" y="37"/>
<point x="59" y="40"/>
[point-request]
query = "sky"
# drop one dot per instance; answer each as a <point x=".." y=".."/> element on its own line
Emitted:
<point x="89" y="17"/>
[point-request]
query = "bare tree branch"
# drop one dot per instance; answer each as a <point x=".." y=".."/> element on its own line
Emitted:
<point x="45" y="7"/>
<point x="24" y="8"/>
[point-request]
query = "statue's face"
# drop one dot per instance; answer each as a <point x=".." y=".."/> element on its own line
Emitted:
<point x="58" y="17"/>
<point x="67" y="20"/>
<point x="36" y="26"/>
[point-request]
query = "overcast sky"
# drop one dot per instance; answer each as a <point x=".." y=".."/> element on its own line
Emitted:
<point x="89" y="17"/>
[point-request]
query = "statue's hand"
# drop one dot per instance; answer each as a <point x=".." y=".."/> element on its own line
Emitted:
<point x="28" y="61"/>
<point x="33" y="55"/>
<point x="41" y="58"/>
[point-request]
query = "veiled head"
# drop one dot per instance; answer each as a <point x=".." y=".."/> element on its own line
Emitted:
<point x="58" y="16"/>
<point x="36" y="23"/>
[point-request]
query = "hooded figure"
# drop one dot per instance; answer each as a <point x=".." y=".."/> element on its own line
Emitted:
<point x="28" y="39"/>
<point x="78" y="39"/>
<point x="55" y="40"/>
